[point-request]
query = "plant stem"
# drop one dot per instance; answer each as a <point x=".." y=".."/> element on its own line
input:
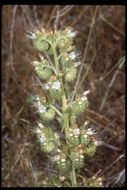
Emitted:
<point x="56" y="60"/>
<point x="57" y="111"/>
<point x="73" y="176"/>
<point x="66" y="128"/>
<point x="65" y="118"/>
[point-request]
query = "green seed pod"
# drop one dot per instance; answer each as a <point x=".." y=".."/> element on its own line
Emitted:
<point x="72" y="119"/>
<point x="70" y="74"/>
<point x="66" y="61"/>
<point x="40" y="43"/>
<point x="44" y="73"/>
<point x="90" y="150"/>
<point x="77" y="159"/>
<point x="48" y="115"/>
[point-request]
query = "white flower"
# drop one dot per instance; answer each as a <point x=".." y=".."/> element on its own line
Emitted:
<point x="38" y="131"/>
<point x="37" y="98"/>
<point x="80" y="102"/>
<point x="72" y="55"/>
<point x="46" y="86"/>
<point x="31" y="35"/>
<point x="90" y="131"/>
<point x="84" y="98"/>
<point x="77" y="63"/>
<point x="57" y="136"/>
<point x="81" y="156"/>
<point x="85" y="136"/>
<point x="42" y="139"/>
<point x="86" y="92"/>
<point x="98" y="143"/>
<point x="36" y="68"/>
<point x="76" y="131"/>
<point x="41" y="125"/>
<point x="56" y="158"/>
<point x="36" y="63"/>
<point x="41" y="108"/>
<point x="63" y="160"/>
<point x="56" y="85"/>
<point x="72" y="34"/>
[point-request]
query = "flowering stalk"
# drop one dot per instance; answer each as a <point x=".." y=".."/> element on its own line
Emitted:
<point x="66" y="154"/>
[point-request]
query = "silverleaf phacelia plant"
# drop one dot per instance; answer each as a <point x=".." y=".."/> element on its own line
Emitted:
<point x="57" y="69"/>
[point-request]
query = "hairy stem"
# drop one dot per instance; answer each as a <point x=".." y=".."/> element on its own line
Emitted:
<point x="65" y="117"/>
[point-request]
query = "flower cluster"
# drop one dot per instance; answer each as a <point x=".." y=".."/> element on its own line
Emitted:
<point x="79" y="105"/>
<point x="42" y="69"/>
<point x="54" y="87"/>
<point x="43" y="108"/>
<point x="48" y="139"/>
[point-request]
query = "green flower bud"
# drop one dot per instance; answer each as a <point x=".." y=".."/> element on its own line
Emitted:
<point x="79" y="106"/>
<point x="48" y="115"/>
<point x="64" y="44"/>
<point x="40" y="43"/>
<point x="70" y="74"/>
<point x="85" y="139"/>
<point x="74" y="137"/>
<point x="73" y="140"/>
<point x="77" y="159"/>
<point x="48" y="147"/>
<point x="94" y="182"/>
<point x="62" y="163"/>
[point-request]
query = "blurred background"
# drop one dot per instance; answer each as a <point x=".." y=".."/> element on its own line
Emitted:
<point x="101" y="43"/>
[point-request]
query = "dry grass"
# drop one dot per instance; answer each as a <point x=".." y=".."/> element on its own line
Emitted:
<point x="101" y="43"/>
